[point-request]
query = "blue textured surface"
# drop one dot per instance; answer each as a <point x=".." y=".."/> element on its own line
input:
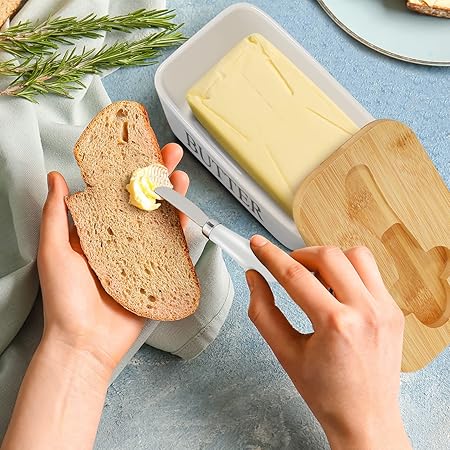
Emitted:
<point x="234" y="395"/>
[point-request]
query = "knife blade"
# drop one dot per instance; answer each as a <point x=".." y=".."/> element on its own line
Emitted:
<point x="183" y="204"/>
<point x="230" y="242"/>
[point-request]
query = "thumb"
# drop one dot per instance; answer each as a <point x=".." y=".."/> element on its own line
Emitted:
<point x="55" y="225"/>
<point x="269" y="320"/>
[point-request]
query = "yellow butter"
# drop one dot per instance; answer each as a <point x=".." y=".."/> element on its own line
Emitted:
<point x="269" y="116"/>
<point x="143" y="183"/>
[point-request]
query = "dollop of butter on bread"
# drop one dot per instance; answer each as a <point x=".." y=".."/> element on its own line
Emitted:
<point x="142" y="185"/>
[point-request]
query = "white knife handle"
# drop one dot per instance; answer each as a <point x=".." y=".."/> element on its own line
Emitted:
<point x="239" y="249"/>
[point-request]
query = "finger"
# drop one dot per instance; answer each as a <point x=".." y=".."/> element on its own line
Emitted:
<point x="171" y="155"/>
<point x="300" y="284"/>
<point x="323" y="282"/>
<point x="268" y="319"/>
<point x="75" y="240"/>
<point x="55" y="224"/>
<point x="335" y="270"/>
<point x="180" y="182"/>
<point x="365" y="265"/>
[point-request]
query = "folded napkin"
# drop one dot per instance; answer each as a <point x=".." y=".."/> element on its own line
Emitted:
<point x="35" y="139"/>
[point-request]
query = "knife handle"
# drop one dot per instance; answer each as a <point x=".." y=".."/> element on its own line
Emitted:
<point x="238" y="248"/>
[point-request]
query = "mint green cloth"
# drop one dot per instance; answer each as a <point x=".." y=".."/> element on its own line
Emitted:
<point x="35" y="139"/>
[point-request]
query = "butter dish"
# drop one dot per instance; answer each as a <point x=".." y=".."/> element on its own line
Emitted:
<point x="269" y="117"/>
<point x="192" y="60"/>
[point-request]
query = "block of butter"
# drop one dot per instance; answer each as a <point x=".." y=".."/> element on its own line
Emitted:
<point x="269" y="116"/>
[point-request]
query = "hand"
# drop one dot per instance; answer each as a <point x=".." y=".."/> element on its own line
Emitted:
<point x="77" y="311"/>
<point x="348" y="369"/>
<point x="86" y="333"/>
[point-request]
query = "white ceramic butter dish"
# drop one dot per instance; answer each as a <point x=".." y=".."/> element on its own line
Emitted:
<point x="193" y="59"/>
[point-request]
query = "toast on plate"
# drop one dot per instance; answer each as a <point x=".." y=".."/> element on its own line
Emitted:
<point x="437" y="8"/>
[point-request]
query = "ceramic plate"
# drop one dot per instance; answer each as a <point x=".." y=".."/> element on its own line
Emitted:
<point x="388" y="27"/>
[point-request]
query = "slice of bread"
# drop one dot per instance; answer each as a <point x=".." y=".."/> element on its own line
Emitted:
<point x="432" y="8"/>
<point x="7" y="9"/>
<point x="140" y="257"/>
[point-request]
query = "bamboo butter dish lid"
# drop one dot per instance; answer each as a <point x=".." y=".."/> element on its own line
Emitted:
<point x="381" y="190"/>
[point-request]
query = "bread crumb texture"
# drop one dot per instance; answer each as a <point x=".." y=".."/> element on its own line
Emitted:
<point x="437" y="8"/>
<point x="140" y="257"/>
<point x="7" y="9"/>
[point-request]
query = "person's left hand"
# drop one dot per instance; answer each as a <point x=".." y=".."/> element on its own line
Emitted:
<point x="78" y="313"/>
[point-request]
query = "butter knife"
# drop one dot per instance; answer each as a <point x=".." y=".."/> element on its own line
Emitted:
<point x="237" y="247"/>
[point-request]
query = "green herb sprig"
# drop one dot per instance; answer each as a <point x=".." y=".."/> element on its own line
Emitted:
<point x="39" y="69"/>
<point x="55" y="75"/>
<point x="27" y="38"/>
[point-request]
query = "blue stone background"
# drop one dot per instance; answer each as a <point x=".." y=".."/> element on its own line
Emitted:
<point x="234" y="395"/>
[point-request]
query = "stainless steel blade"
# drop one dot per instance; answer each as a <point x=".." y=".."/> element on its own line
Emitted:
<point x="184" y="205"/>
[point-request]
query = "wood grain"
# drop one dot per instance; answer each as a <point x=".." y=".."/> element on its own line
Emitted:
<point x="381" y="190"/>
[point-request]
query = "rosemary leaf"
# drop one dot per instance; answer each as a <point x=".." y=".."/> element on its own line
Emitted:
<point x="60" y="75"/>
<point x="28" y="38"/>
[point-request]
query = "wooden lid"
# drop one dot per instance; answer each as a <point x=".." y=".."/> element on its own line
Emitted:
<point x="381" y="190"/>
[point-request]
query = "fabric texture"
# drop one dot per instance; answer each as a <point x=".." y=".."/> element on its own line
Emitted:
<point x="38" y="138"/>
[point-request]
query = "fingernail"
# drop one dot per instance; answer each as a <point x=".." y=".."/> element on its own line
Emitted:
<point x="258" y="241"/>
<point x="49" y="182"/>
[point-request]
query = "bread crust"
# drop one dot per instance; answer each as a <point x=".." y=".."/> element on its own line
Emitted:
<point x="7" y="9"/>
<point x="423" y="8"/>
<point x="174" y="295"/>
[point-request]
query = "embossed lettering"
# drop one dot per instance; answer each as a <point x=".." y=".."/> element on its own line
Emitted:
<point x="191" y="143"/>
<point x="205" y="157"/>
<point x="256" y="210"/>
<point x="244" y="197"/>
<point x="234" y="187"/>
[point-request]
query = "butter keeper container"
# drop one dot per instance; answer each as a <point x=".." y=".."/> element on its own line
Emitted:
<point x="193" y="59"/>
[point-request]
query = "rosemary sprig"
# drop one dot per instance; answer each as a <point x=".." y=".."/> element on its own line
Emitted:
<point x="27" y="38"/>
<point x="59" y="75"/>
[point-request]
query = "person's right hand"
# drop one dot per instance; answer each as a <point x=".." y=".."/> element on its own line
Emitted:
<point x="348" y="369"/>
